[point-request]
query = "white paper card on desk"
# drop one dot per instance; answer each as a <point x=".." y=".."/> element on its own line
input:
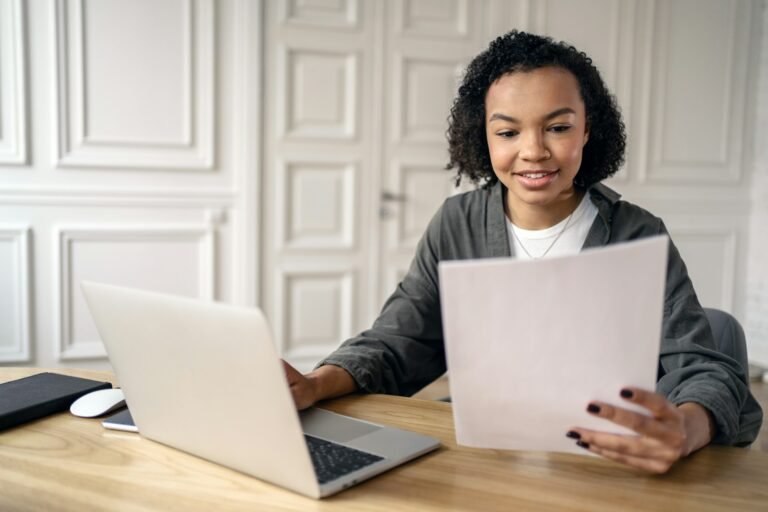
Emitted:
<point x="531" y="343"/>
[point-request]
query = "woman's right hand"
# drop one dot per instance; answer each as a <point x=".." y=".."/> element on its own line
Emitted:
<point x="328" y="381"/>
<point x="303" y="388"/>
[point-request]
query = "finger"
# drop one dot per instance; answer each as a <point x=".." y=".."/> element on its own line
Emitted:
<point x="654" y="402"/>
<point x="637" y="422"/>
<point x="636" y="446"/>
<point x="646" y="464"/>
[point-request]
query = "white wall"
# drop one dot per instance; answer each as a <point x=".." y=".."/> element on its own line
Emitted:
<point x="757" y="282"/>
<point x="128" y="154"/>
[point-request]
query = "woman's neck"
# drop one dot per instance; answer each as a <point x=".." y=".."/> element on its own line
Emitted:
<point x="535" y="217"/>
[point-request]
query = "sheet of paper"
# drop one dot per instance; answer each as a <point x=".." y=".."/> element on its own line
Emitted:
<point x="531" y="343"/>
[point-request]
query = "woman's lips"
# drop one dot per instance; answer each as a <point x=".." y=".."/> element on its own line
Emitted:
<point x="536" y="179"/>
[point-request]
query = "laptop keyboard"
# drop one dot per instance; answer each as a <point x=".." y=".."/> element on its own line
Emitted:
<point x="333" y="460"/>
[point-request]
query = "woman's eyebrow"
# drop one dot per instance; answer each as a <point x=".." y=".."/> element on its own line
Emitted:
<point x="502" y="117"/>
<point x="559" y="112"/>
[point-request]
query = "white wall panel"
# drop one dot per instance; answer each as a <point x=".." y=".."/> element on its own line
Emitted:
<point x="95" y="91"/>
<point x="15" y="282"/>
<point x="320" y="94"/>
<point x="317" y="311"/>
<point x="331" y="14"/>
<point x="710" y="255"/>
<point x="432" y="18"/>
<point x="135" y="83"/>
<point x="13" y="108"/>
<point x="318" y="308"/>
<point x="319" y="201"/>
<point x="423" y="188"/>
<point x="176" y="259"/>
<point x="424" y="98"/>
<point x="698" y="91"/>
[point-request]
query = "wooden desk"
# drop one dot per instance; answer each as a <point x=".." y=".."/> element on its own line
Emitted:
<point x="68" y="463"/>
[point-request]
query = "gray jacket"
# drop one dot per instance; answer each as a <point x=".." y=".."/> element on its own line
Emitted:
<point x="404" y="352"/>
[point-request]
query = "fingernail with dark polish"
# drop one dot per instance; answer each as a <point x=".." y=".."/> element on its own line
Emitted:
<point x="594" y="409"/>
<point x="583" y="444"/>
<point x="573" y="435"/>
<point x="627" y="393"/>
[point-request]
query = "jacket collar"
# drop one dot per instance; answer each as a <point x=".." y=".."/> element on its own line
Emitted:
<point x="496" y="220"/>
<point x="603" y="197"/>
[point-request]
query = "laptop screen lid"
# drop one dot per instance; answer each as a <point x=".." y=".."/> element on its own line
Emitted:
<point x="204" y="378"/>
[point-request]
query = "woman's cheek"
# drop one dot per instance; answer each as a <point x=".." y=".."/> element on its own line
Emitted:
<point x="574" y="152"/>
<point x="501" y="155"/>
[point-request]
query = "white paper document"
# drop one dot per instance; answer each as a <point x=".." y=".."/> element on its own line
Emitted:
<point x="530" y="343"/>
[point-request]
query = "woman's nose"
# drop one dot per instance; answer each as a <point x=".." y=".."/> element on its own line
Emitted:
<point x="533" y="148"/>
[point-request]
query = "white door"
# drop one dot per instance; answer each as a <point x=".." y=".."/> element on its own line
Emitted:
<point x="319" y="191"/>
<point x="426" y="47"/>
<point x="355" y="107"/>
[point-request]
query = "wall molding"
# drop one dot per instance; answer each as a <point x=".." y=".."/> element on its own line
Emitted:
<point x="75" y="148"/>
<point x="665" y="200"/>
<point x="349" y="127"/>
<point x="65" y="347"/>
<point x="459" y="28"/>
<point x="20" y="350"/>
<point x="349" y="19"/>
<point x="400" y="129"/>
<point x="46" y="195"/>
<point x="727" y="167"/>
<point x="309" y="355"/>
<point x="729" y="237"/>
<point x="13" y="101"/>
<point x="401" y="170"/>
<point x="347" y="238"/>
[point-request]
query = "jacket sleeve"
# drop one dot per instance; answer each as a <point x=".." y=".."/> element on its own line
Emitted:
<point x="692" y="370"/>
<point x="403" y="351"/>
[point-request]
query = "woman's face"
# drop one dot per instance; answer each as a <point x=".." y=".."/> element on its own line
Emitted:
<point x="536" y="129"/>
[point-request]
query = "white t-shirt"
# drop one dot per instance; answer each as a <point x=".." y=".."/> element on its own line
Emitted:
<point x="536" y="242"/>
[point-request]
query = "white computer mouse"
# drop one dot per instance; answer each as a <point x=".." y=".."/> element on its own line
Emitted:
<point x="98" y="403"/>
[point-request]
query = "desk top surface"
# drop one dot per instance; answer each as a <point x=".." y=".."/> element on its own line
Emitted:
<point x="68" y="463"/>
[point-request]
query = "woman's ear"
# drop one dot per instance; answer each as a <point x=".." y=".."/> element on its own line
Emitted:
<point x="586" y="134"/>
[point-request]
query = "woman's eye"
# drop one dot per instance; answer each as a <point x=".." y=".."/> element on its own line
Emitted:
<point x="560" y="128"/>
<point x="507" y="133"/>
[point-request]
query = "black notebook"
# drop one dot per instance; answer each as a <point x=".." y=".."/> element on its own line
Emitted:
<point x="40" y="395"/>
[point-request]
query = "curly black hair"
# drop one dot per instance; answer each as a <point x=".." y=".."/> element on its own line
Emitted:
<point x="603" y="153"/>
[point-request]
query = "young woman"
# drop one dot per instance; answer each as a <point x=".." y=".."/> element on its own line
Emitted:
<point x="535" y="127"/>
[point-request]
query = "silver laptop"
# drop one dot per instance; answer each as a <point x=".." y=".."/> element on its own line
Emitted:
<point x="205" y="378"/>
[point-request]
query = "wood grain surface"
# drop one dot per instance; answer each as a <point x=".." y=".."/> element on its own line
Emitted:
<point x="73" y="464"/>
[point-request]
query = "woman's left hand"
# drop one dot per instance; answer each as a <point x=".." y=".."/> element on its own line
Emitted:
<point x="670" y="433"/>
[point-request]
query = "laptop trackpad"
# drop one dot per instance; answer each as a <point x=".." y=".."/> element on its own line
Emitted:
<point x="334" y="427"/>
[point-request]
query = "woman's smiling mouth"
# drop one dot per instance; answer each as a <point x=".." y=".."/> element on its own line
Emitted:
<point x="535" y="174"/>
<point x="535" y="178"/>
